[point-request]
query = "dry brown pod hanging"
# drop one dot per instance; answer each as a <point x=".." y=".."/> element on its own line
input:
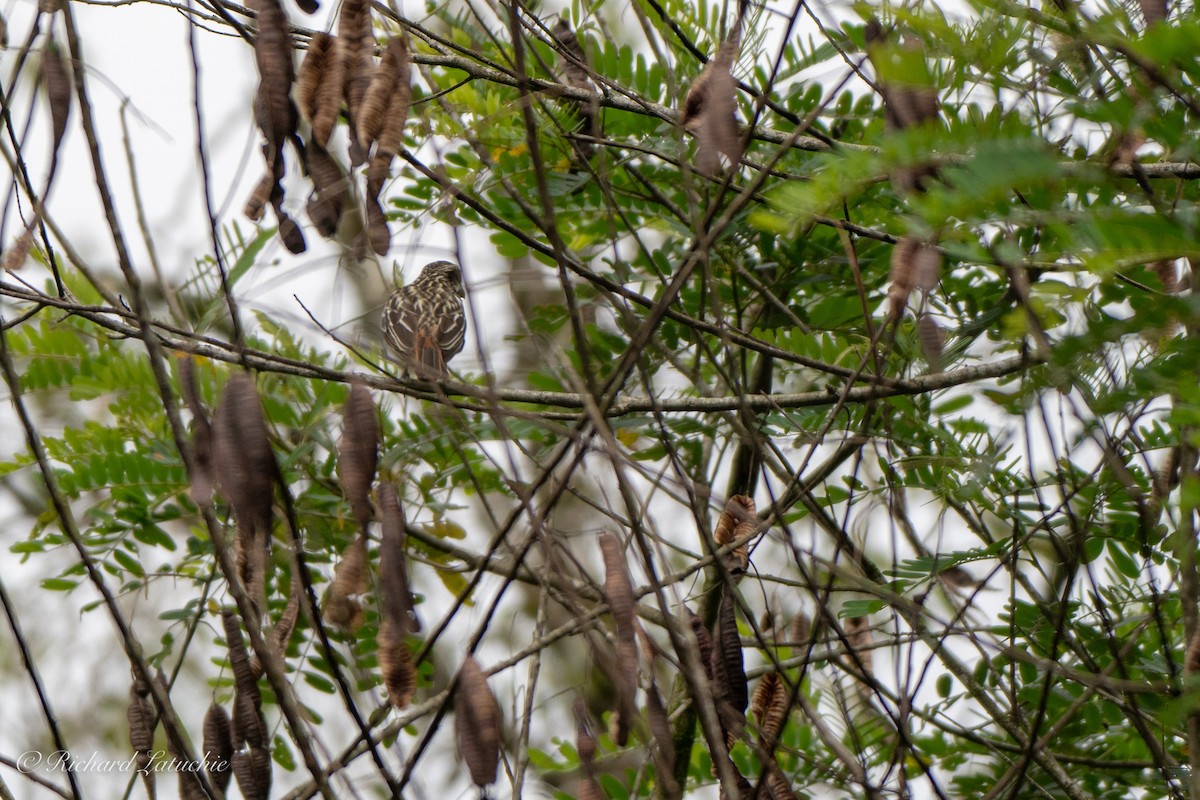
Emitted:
<point x="343" y="606"/>
<point x="218" y="746"/>
<point x="327" y="105"/>
<point x="247" y="473"/>
<point x="396" y="599"/>
<point x="737" y="521"/>
<point x="274" y="109"/>
<point x="327" y="200"/>
<point x="57" y="80"/>
<point x="358" y="452"/>
<point x="704" y="642"/>
<point x="729" y="674"/>
<point x="391" y="135"/>
<point x="477" y="723"/>
<point x="396" y="666"/>
<point x="281" y="633"/>
<point x="357" y="43"/>
<point x="141" y="717"/>
<point x="314" y="69"/>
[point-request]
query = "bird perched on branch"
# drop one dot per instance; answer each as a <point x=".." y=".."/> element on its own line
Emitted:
<point x="424" y="321"/>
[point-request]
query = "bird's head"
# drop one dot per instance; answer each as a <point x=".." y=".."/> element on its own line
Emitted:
<point x="444" y="272"/>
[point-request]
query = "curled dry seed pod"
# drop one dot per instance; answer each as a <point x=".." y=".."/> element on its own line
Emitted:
<point x="775" y="711"/>
<point x="57" y="80"/>
<point x="248" y="725"/>
<point x="3" y="32"/>
<point x="933" y="341"/>
<point x="281" y="634"/>
<point x="314" y="69"/>
<point x="737" y="521"/>
<point x="396" y="666"/>
<point x="396" y="606"/>
<point x="588" y="789"/>
<point x="358" y="452"/>
<point x="357" y="45"/>
<point x="273" y="54"/>
<point x="477" y="723"/>
<point x="218" y="746"/>
<point x="391" y="135"/>
<point x="729" y="673"/>
<point x="141" y="718"/>
<point x="660" y="728"/>
<point x="384" y="81"/>
<point x="327" y="200"/>
<point x="16" y="256"/>
<point x="762" y="695"/>
<point x="343" y="608"/>
<point x="203" y="479"/>
<point x="379" y="235"/>
<point x="259" y="197"/>
<point x="327" y="104"/>
<point x="903" y="274"/>
<point x="704" y="642"/>
<point x="247" y="473"/>
<point x="585" y="740"/>
<point x="778" y="787"/>
<point x="801" y="630"/>
<point x="253" y="771"/>
<point x="618" y="589"/>
<point x="244" y="678"/>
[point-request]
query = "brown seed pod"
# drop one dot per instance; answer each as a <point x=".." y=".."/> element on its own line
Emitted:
<point x="259" y="197"/>
<point x="778" y="787"/>
<point x="704" y="642"/>
<point x="203" y="478"/>
<point x="281" y="634"/>
<point x="385" y="80"/>
<point x="313" y="71"/>
<point x="618" y="589"/>
<point x="585" y="740"/>
<point x="477" y="723"/>
<point x="737" y="521"/>
<point x="327" y="105"/>
<point x="274" y="109"/>
<point x="933" y="341"/>
<point x="396" y="666"/>
<point x="16" y="256"/>
<point x="391" y="135"/>
<point x="358" y="452"/>
<point x="141" y="718"/>
<point x="358" y="44"/>
<point x="775" y="711"/>
<point x="244" y="678"/>
<point x="327" y="200"/>
<point x="379" y="234"/>
<point x="253" y="771"/>
<point x="343" y="607"/>
<point x="801" y="630"/>
<point x="218" y="746"/>
<point x="396" y="600"/>
<point x="762" y="695"/>
<point x="3" y="31"/>
<point x="660" y="728"/>
<point x="903" y="274"/>
<point x="729" y="673"/>
<point x="588" y="789"/>
<point x="246" y="472"/>
<point x="57" y="80"/>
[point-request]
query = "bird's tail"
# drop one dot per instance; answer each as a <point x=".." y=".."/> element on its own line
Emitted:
<point x="430" y="362"/>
